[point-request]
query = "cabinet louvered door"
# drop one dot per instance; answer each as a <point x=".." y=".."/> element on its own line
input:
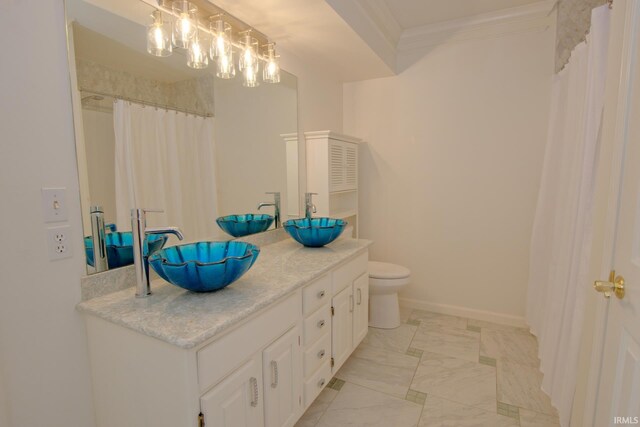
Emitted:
<point x="351" y="166"/>
<point x="337" y="174"/>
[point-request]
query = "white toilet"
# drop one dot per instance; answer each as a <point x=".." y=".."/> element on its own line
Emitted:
<point x="385" y="280"/>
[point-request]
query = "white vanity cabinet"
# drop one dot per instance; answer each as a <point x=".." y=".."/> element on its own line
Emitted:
<point x="350" y="308"/>
<point x="262" y="372"/>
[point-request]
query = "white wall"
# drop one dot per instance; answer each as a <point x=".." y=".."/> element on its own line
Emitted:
<point x="43" y="351"/>
<point x="449" y="175"/>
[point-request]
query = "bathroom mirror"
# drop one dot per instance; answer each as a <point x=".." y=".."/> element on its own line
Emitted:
<point x="153" y="133"/>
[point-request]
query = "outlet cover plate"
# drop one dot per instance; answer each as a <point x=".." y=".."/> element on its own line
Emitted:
<point x="54" y="204"/>
<point x="59" y="242"/>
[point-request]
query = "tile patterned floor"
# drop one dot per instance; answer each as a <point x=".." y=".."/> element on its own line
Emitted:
<point x="437" y="371"/>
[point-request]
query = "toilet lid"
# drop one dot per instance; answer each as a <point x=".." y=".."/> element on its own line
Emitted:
<point x="385" y="270"/>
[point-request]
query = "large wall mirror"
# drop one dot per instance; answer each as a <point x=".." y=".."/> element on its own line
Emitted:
<point x="153" y="133"/>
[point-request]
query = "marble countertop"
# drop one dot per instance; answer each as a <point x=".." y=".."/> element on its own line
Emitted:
<point x="188" y="319"/>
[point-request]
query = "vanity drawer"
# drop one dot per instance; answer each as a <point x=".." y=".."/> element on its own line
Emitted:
<point x="314" y="385"/>
<point x="317" y="354"/>
<point x="221" y="357"/>
<point x="346" y="274"/>
<point x="318" y="324"/>
<point x="316" y="294"/>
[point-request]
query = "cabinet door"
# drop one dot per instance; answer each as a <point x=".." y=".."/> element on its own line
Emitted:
<point x="342" y="326"/>
<point x="350" y="166"/>
<point x="361" y="310"/>
<point x="281" y="370"/>
<point x="337" y="170"/>
<point x="237" y="400"/>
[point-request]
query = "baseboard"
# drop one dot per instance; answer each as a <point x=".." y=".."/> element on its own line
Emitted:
<point x="487" y="316"/>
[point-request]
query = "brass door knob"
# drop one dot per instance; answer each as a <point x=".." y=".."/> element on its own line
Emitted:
<point x="615" y="285"/>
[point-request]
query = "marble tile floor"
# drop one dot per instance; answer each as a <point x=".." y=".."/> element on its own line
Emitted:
<point x="437" y="370"/>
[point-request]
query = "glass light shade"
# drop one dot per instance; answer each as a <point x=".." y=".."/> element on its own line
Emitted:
<point x="197" y="56"/>
<point x="185" y="24"/>
<point x="221" y="38"/>
<point x="271" y="69"/>
<point x="225" y="68"/>
<point x="249" y="54"/>
<point x="250" y="77"/>
<point x="158" y="36"/>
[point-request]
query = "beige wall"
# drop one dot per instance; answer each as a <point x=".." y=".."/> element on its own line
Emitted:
<point x="450" y="170"/>
<point x="42" y="338"/>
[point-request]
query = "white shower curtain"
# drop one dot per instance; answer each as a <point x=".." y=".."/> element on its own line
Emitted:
<point x="165" y="160"/>
<point x="561" y="240"/>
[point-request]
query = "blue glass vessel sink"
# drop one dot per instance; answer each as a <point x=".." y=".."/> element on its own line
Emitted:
<point x="315" y="232"/>
<point x="243" y="225"/>
<point x="204" y="266"/>
<point x="120" y="247"/>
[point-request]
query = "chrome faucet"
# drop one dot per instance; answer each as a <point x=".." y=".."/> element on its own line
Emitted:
<point x="276" y="206"/>
<point x="309" y="207"/>
<point x="140" y="247"/>
<point x="98" y="236"/>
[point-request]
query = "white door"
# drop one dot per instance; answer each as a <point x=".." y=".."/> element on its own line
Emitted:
<point x="342" y="326"/>
<point x="281" y="369"/>
<point x="361" y="311"/>
<point x="237" y="400"/>
<point x="619" y="385"/>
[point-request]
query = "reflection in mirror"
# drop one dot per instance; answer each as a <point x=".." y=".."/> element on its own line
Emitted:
<point x="154" y="133"/>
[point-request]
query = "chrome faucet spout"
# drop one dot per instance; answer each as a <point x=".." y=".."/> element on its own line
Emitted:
<point x="140" y="248"/>
<point x="276" y="207"/>
<point x="309" y="207"/>
<point x="166" y="230"/>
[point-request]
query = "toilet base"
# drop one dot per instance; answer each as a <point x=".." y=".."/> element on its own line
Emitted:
<point x="384" y="311"/>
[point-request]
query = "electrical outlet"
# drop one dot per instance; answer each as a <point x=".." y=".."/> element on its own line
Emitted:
<point x="59" y="242"/>
<point x="54" y="204"/>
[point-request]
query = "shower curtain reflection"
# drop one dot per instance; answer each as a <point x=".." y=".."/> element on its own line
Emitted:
<point x="165" y="160"/>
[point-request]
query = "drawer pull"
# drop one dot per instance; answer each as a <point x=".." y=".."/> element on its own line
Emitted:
<point x="321" y="354"/>
<point x="321" y="294"/>
<point x="274" y="374"/>
<point x="253" y="385"/>
<point x="321" y="383"/>
<point x="359" y="296"/>
<point x="320" y="323"/>
<point x="351" y="306"/>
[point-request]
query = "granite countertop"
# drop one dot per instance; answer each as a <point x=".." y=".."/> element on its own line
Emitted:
<point x="188" y="319"/>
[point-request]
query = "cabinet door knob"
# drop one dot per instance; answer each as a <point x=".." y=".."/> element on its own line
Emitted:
<point x="321" y="354"/>
<point x="321" y="383"/>
<point x="321" y="294"/>
<point x="359" y="296"/>
<point x="320" y="323"/>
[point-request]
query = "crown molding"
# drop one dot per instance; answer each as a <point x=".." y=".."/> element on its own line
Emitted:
<point x="374" y="23"/>
<point x="535" y="16"/>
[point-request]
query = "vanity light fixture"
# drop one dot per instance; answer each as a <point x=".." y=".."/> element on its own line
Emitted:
<point x="185" y="23"/>
<point x="158" y="37"/>
<point x="197" y="56"/>
<point x="271" y="69"/>
<point x="214" y="41"/>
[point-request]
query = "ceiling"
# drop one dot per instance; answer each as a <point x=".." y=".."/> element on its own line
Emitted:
<point x="347" y="40"/>
<point x="417" y="13"/>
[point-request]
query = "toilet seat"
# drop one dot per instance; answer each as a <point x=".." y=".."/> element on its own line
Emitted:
<point x="386" y="270"/>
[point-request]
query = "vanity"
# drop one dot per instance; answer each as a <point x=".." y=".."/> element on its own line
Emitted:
<point x="254" y="354"/>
